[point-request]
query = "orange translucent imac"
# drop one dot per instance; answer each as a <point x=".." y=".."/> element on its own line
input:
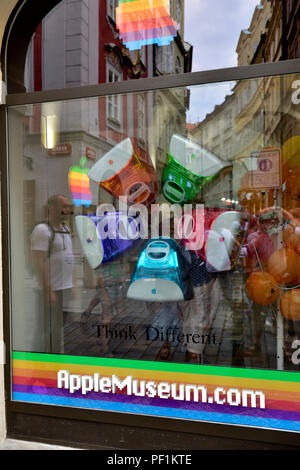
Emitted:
<point x="122" y="172"/>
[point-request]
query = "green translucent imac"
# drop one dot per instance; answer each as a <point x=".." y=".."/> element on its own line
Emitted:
<point x="188" y="167"/>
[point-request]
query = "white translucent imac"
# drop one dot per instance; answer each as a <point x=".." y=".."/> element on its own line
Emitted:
<point x="195" y="157"/>
<point x="220" y="241"/>
<point x="112" y="162"/>
<point x="90" y="241"/>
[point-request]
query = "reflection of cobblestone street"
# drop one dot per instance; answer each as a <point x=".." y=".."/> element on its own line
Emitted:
<point x="141" y="329"/>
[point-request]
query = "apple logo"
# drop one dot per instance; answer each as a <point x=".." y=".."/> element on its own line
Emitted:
<point x="79" y="184"/>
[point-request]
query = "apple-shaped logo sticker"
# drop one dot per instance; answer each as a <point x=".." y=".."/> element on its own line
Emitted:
<point x="79" y="184"/>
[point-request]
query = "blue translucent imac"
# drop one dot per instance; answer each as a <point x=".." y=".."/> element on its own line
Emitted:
<point x="161" y="273"/>
<point x="104" y="237"/>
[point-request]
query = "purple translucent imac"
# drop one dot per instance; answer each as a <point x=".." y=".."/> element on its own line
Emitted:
<point x="104" y="237"/>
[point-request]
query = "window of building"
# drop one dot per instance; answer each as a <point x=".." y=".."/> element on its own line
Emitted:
<point x="178" y="11"/>
<point x="142" y="118"/>
<point x="159" y="121"/>
<point x="178" y="67"/>
<point x="111" y="8"/>
<point x="113" y="103"/>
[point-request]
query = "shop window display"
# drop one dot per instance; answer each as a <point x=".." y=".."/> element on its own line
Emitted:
<point x="161" y="281"/>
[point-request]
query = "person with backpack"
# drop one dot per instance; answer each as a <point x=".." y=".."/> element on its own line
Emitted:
<point x="51" y="247"/>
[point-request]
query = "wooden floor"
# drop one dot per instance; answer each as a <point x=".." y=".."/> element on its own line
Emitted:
<point x="138" y="330"/>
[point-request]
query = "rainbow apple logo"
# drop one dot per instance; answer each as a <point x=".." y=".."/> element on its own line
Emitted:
<point x="79" y="184"/>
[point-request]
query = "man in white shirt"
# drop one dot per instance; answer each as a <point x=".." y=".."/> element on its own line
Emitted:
<point x="51" y="245"/>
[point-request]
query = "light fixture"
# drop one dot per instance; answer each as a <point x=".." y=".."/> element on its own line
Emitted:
<point x="50" y="114"/>
<point x="49" y="131"/>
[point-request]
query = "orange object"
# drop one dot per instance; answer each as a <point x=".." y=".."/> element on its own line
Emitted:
<point x="137" y="181"/>
<point x="290" y="304"/>
<point x="291" y="236"/>
<point x="124" y="173"/>
<point x="290" y="202"/>
<point x="261" y="288"/>
<point x="291" y="152"/>
<point x="296" y="213"/>
<point x="283" y="265"/>
<point x="251" y="198"/>
<point x="292" y="182"/>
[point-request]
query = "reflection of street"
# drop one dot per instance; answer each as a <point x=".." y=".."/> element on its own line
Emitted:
<point x="142" y="330"/>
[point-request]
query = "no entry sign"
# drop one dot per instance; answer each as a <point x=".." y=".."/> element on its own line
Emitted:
<point x="267" y="173"/>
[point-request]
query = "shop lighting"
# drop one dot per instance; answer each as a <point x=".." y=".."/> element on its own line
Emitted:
<point x="49" y="131"/>
<point x="50" y="114"/>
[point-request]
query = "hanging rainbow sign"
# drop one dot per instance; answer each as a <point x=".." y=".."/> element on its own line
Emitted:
<point x="144" y="22"/>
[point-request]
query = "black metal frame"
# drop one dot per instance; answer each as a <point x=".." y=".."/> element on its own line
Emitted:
<point x="158" y="83"/>
<point x="134" y="422"/>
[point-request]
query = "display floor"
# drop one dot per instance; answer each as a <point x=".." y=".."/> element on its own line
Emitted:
<point x="231" y="332"/>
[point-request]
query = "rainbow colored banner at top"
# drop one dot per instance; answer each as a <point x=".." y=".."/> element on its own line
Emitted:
<point x="144" y="22"/>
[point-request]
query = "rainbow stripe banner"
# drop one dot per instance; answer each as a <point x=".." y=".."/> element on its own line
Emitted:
<point x="160" y="389"/>
<point x="143" y="22"/>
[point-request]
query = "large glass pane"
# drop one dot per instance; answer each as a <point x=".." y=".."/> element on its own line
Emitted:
<point x="138" y="235"/>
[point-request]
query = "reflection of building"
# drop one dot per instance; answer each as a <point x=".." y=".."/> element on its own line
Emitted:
<point x="291" y="50"/>
<point x="79" y="39"/>
<point x="250" y="38"/>
<point x="175" y="58"/>
<point x="247" y="119"/>
<point x="78" y="44"/>
<point x="170" y="105"/>
<point x="292" y="29"/>
<point x="216" y="133"/>
<point x="281" y="42"/>
<point x="81" y="43"/>
<point x="234" y="130"/>
<point x="259" y="113"/>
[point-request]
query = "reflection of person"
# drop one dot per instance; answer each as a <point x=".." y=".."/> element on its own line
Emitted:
<point x="231" y="282"/>
<point x="259" y="246"/>
<point x="290" y="222"/>
<point x="51" y="246"/>
<point x="110" y="293"/>
<point x="197" y="313"/>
